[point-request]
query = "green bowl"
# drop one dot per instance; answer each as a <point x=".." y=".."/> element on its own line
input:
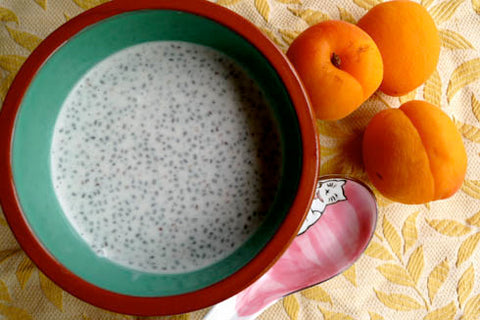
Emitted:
<point x="29" y="115"/>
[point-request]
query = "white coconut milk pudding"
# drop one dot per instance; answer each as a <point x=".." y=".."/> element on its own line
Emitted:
<point x="165" y="157"/>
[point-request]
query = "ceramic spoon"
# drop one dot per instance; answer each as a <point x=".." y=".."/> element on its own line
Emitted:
<point x="323" y="248"/>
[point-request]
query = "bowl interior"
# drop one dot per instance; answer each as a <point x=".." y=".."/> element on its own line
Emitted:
<point x="39" y="111"/>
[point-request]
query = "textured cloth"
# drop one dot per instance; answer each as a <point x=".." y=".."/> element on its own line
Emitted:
<point x="423" y="262"/>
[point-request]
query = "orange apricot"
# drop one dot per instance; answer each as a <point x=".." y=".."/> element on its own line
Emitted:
<point x="408" y="40"/>
<point x="414" y="154"/>
<point x="339" y="65"/>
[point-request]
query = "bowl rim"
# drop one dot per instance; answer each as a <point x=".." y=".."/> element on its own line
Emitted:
<point x="186" y="302"/>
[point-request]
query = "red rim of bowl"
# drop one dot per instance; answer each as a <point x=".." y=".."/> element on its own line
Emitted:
<point x="169" y="304"/>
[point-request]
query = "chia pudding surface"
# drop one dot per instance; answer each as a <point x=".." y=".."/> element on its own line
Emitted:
<point x="165" y="157"/>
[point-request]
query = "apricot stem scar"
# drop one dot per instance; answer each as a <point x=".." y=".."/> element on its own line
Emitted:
<point x="335" y="59"/>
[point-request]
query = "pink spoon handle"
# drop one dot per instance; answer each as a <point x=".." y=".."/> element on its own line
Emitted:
<point x="324" y="248"/>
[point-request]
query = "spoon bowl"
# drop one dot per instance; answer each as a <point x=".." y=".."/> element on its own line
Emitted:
<point x="323" y="249"/>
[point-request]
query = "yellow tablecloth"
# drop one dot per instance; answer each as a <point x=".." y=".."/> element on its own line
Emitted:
<point x="423" y="262"/>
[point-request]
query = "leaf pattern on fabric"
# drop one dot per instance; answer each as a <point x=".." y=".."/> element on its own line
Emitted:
<point x="467" y="248"/>
<point x="42" y="3"/>
<point x="7" y="15"/>
<point x="14" y="313"/>
<point x="263" y="8"/>
<point x="437" y="278"/>
<point x="51" y="291"/>
<point x="472" y="308"/>
<point x="378" y="251"/>
<point x="444" y="11"/>
<point x="366" y="4"/>
<point x="291" y="306"/>
<point x="465" y="285"/>
<point x="396" y="274"/>
<point x="317" y="293"/>
<point x="273" y="37"/>
<point x="453" y="40"/>
<point x="4" y="294"/>
<point x="393" y="238"/>
<point x="11" y="63"/>
<point x="7" y="253"/>
<point x="288" y="35"/>
<point x="426" y="3"/>
<point x="396" y="301"/>
<point x="310" y="16"/>
<point x="332" y="315"/>
<point x="475" y="107"/>
<point x="474" y="220"/>
<point x="27" y="40"/>
<point x="449" y="227"/>
<point x="228" y="2"/>
<point x="289" y="1"/>
<point x="351" y="275"/>
<point x="345" y="15"/>
<point x="5" y="84"/>
<point x="375" y="316"/>
<point x="24" y="271"/>
<point x="463" y="75"/>
<point x="415" y="264"/>
<point x="409" y="231"/>
<point x="472" y="188"/>
<point x="88" y="4"/>
<point x="476" y="6"/>
<point x="432" y="91"/>
<point x="447" y="312"/>
<point x="468" y="131"/>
